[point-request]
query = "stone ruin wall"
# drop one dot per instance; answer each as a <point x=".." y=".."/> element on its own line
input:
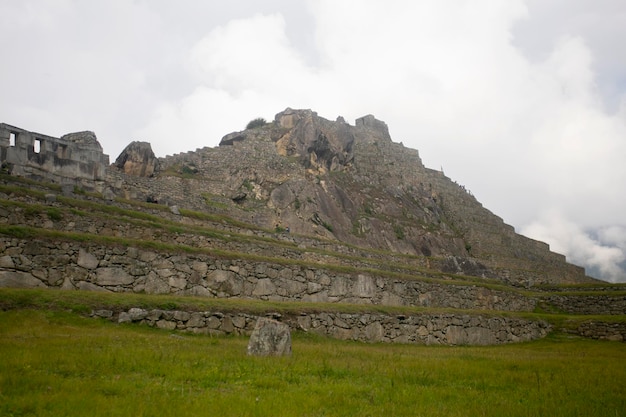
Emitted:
<point x="427" y="329"/>
<point x="71" y="266"/>
<point x="84" y="266"/>
<point x="69" y="159"/>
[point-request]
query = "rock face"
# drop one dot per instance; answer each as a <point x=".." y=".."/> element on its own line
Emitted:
<point x="322" y="146"/>
<point x="137" y="159"/>
<point x="270" y="337"/>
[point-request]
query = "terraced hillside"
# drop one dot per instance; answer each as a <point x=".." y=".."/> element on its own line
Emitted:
<point x="337" y="227"/>
<point x="84" y="242"/>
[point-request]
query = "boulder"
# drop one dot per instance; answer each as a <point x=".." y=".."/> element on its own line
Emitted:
<point x="137" y="159"/>
<point x="270" y="337"/>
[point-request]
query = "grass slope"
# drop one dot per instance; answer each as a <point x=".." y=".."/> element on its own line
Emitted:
<point x="56" y="362"/>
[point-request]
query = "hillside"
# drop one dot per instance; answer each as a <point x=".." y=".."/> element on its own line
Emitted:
<point x="300" y="210"/>
<point x="350" y="184"/>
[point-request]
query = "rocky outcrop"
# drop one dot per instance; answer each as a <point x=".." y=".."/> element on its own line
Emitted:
<point x="321" y="146"/>
<point x="137" y="159"/>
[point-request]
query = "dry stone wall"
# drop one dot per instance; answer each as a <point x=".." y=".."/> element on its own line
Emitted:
<point x="428" y="329"/>
<point x="588" y="304"/>
<point x="71" y="265"/>
<point x="615" y="332"/>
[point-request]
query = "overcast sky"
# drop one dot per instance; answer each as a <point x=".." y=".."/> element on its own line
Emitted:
<point x="523" y="102"/>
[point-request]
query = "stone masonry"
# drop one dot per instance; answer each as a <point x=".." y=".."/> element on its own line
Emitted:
<point x="426" y="329"/>
<point x="69" y="159"/>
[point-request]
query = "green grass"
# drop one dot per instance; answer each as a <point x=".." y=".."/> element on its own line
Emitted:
<point x="59" y="363"/>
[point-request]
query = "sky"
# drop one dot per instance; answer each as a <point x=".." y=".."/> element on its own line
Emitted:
<point x="521" y="101"/>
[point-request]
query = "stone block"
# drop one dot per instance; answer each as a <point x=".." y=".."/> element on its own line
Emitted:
<point x="166" y="324"/>
<point x="16" y="279"/>
<point x="137" y="314"/>
<point x="264" y="286"/>
<point x="6" y="262"/>
<point x="270" y="337"/>
<point x="113" y="276"/>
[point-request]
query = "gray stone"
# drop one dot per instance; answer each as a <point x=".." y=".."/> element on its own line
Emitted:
<point x="270" y="337"/>
<point x="364" y="287"/>
<point x="374" y="332"/>
<point x="6" y="262"/>
<point x="264" y="286"/>
<point x="182" y="315"/>
<point x="113" y="276"/>
<point x="199" y="291"/>
<point x="239" y="322"/>
<point x="15" y="279"/>
<point x="156" y="285"/>
<point x="224" y="282"/>
<point x="196" y="320"/>
<point x="86" y="260"/>
<point x="227" y="325"/>
<point x="107" y="314"/>
<point x="177" y="283"/>
<point x="124" y="317"/>
<point x="137" y="159"/>
<point x="338" y="287"/>
<point x="137" y="314"/>
<point x="166" y="324"/>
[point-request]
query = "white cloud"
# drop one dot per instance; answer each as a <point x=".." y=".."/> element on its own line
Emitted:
<point x="523" y="134"/>
<point x="567" y="237"/>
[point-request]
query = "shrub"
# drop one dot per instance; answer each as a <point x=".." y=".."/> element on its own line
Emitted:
<point x="258" y="122"/>
<point x="399" y="231"/>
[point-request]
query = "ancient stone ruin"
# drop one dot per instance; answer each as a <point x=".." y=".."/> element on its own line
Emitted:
<point x="302" y="209"/>
<point x="72" y="157"/>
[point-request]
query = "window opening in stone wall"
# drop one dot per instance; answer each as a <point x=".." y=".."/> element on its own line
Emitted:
<point x="37" y="146"/>
<point x="12" y="137"/>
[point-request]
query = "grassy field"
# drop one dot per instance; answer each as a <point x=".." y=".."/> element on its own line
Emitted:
<point x="56" y="363"/>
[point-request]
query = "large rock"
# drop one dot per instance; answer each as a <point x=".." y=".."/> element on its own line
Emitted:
<point x="321" y="145"/>
<point x="137" y="159"/>
<point x="16" y="279"/>
<point x="270" y="337"/>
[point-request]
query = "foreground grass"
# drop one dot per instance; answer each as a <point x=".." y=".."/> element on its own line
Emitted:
<point x="60" y="363"/>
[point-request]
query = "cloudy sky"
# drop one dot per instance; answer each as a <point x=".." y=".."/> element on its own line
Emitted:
<point x="521" y="101"/>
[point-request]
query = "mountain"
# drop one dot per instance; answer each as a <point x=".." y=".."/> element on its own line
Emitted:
<point x="353" y="184"/>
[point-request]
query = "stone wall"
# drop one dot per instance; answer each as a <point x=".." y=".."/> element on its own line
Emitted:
<point x="72" y="157"/>
<point x="604" y="331"/>
<point x="84" y="266"/>
<point x="588" y="304"/>
<point x="429" y="329"/>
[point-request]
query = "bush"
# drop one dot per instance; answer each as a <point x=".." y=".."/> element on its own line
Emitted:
<point x="258" y="122"/>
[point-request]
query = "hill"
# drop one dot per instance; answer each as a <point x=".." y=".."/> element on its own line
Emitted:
<point x="302" y="210"/>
